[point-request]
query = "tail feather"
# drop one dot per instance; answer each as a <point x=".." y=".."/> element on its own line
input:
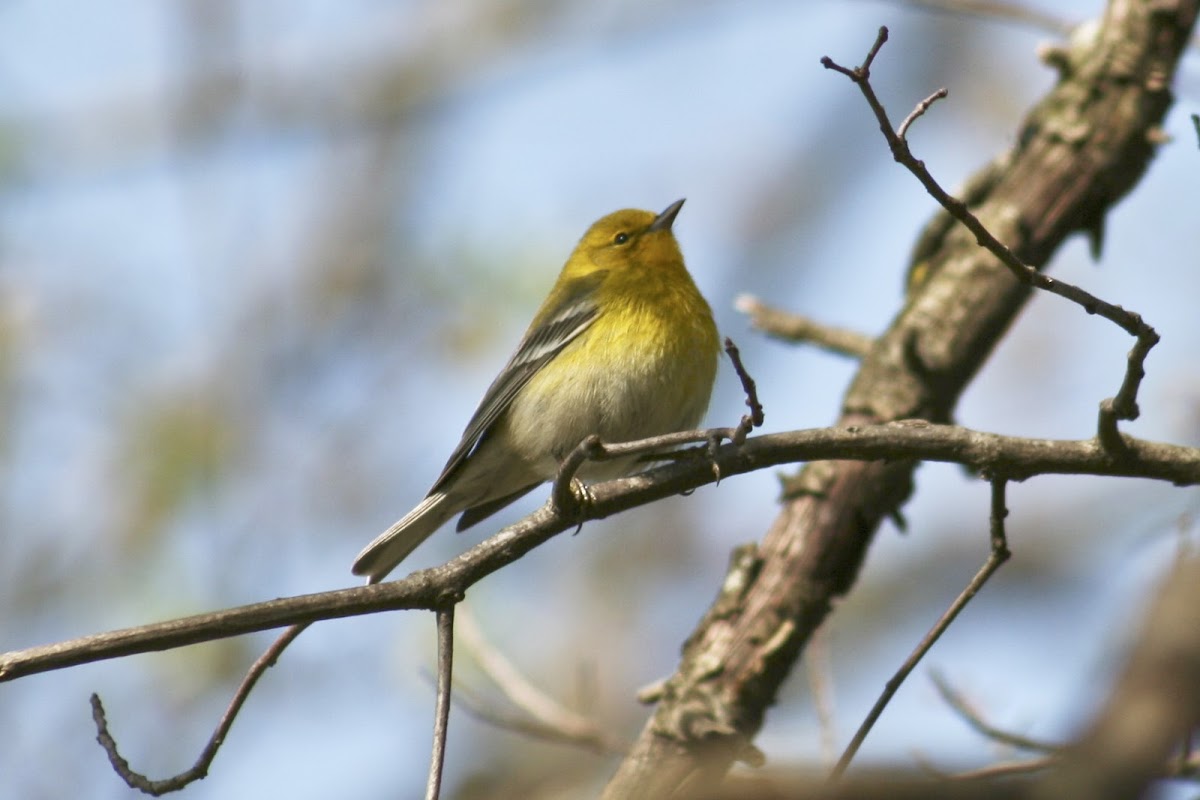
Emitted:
<point x="482" y="511"/>
<point x="391" y="547"/>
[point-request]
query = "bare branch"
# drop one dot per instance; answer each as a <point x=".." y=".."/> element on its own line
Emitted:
<point x="791" y="327"/>
<point x="1121" y="407"/>
<point x="920" y="110"/>
<point x="748" y="385"/>
<point x="535" y="729"/>
<point x="434" y="588"/>
<point x="1008" y="769"/>
<point x="441" y="718"/>
<point x="959" y="703"/>
<point x="547" y="718"/>
<point x="199" y="769"/>
<point x="1003" y="12"/>
<point x="998" y="555"/>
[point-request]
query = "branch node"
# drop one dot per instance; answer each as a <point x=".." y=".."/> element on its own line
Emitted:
<point x="1108" y="433"/>
<point x="713" y="446"/>
<point x="862" y="73"/>
<point x="999" y="512"/>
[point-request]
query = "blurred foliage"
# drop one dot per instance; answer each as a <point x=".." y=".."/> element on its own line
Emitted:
<point x="177" y="448"/>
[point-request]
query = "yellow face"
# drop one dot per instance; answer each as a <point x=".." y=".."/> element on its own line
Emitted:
<point x="625" y="239"/>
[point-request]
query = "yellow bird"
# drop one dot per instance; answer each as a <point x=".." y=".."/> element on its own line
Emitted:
<point x="624" y="347"/>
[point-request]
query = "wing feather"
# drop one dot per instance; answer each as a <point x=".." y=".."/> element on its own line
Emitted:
<point x="554" y="329"/>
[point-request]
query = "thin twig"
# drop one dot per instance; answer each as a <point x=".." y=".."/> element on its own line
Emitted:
<point x="920" y="110"/>
<point x="791" y="327"/>
<point x="1000" y="12"/>
<point x="748" y="385"/>
<point x="956" y="701"/>
<point x="441" y="720"/>
<point x="820" y="686"/>
<point x="199" y="769"/>
<point x="548" y="718"/>
<point x="997" y="556"/>
<point x="1121" y="407"/>
<point x="533" y="728"/>
<point x="748" y="422"/>
<point x="1007" y="769"/>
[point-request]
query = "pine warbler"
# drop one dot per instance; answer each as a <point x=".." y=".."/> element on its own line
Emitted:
<point x="624" y="347"/>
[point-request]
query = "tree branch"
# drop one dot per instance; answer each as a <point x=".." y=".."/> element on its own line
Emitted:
<point x="543" y="717"/>
<point x="441" y="717"/>
<point x="996" y="557"/>
<point x="199" y="769"/>
<point x="790" y="327"/>
<point x="438" y="587"/>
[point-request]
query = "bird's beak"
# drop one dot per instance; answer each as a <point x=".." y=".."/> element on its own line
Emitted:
<point x="664" y="220"/>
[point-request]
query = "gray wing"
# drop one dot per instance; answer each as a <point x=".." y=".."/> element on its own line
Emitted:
<point x="542" y="342"/>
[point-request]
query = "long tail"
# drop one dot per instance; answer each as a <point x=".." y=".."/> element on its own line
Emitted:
<point x="391" y="547"/>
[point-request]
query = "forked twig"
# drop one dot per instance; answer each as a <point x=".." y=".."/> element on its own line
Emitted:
<point x="1122" y="406"/>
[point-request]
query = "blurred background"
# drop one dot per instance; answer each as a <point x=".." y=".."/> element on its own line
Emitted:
<point x="259" y="260"/>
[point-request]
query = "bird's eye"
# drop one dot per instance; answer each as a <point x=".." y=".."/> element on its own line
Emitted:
<point x="621" y="238"/>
